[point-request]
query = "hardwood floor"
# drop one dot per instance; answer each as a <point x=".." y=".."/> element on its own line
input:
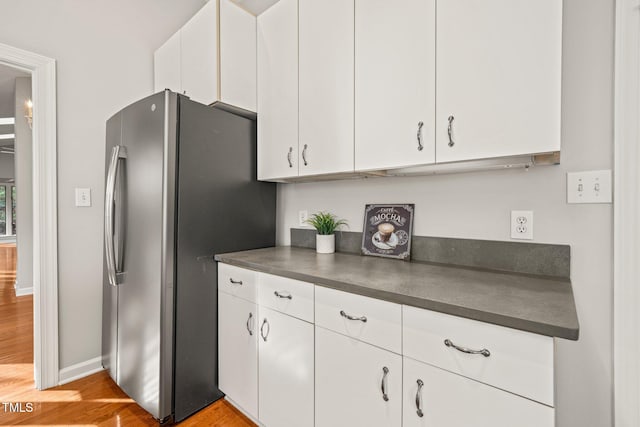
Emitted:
<point x="91" y="401"/>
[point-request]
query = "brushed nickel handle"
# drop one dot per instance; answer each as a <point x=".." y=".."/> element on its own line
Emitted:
<point x="419" y="136"/>
<point x="289" y="157"/>
<point x="248" y="322"/>
<point x="419" y="399"/>
<point x="235" y="282"/>
<point x="304" y="155"/>
<point x="449" y="131"/>
<point x="350" y="317"/>
<point x="279" y="295"/>
<point x="262" y="334"/>
<point x="483" y="352"/>
<point x="383" y="384"/>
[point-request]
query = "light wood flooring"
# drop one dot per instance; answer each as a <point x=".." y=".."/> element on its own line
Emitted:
<point x="91" y="401"/>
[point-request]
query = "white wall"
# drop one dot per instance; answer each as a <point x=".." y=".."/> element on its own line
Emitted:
<point x="7" y="169"/>
<point x="104" y="59"/>
<point x="478" y="206"/>
<point x="24" y="187"/>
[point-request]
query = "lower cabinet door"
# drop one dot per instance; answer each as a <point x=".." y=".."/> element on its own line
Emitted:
<point x="238" y="351"/>
<point x="435" y="397"/>
<point x="285" y="370"/>
<point x="357" y="384"/>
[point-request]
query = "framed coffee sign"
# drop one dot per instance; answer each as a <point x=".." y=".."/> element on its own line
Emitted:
<point x="387" y="230"/>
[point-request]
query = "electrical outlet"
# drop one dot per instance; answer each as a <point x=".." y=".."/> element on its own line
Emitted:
<point x="303" y="216"/>
<point x="522" y="225"/>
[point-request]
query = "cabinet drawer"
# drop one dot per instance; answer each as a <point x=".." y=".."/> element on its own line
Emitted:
<point x="516" y="361"/>
<point x="287" y="296"/>
<point x="237" y="281"/>
<point x="367" y="319"/>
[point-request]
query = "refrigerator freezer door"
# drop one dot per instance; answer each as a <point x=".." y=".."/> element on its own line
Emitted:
<point x="221" y="208"/>
<point x="142" y="288"/>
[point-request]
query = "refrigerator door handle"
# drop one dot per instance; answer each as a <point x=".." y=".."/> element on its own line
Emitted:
<point x="118" y="153"/>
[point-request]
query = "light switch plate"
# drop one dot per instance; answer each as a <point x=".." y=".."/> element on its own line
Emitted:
<point x="589" y="187"/>
<point x="83" y="197"/>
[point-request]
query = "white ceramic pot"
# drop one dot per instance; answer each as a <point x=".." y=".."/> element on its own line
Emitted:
<point x="325" y="244"/>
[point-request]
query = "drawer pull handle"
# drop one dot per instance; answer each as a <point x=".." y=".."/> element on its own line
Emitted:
<point x="262" y="334"/>
<point x="383" y="385"/>
<point x="248" y="324"/>
<point x="419" y="136"/>
<point x="419" y="399"/>
<point x="304" y="155"/>
<point x="289" y="157"/>
<point x="450" y="131"/>
<point x="350" y="317"/>
<point x="279" y="295"/>
<point x="235" y="282"/>
<point x="483" y="352"/>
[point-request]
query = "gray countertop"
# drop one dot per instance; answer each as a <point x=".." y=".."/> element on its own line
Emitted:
<point x="536" y="304"/>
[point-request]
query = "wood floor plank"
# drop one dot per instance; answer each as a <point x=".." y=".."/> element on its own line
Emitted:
<point x="92" y="401"/>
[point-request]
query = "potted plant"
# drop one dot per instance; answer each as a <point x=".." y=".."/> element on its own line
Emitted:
<point x="325" y="224"/>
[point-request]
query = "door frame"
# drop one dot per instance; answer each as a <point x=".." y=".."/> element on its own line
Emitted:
<point x="45" y="211"/>
<point x="626" y="253"/>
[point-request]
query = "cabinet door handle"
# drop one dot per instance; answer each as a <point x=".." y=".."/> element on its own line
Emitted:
<point x="289" y="157"/>
<point x="419" y="136"/>
<point x="450" y="130"/>
<point x="281" y="295"/>
<point x="483" y="352"/>
<point x="419" y="399"/>
<point x="248" y="324"/>
<point x="262" y="334"/>
<point x="235" y="282"/>
<point x="304" y="154"/>
<point x="350" y="317"/>
<point x="383" y="384"/>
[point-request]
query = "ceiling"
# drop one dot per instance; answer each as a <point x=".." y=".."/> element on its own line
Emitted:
<point x="7" y="98"/>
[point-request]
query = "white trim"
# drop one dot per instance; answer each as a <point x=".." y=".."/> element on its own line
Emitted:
<point x="45" y="222"/>
<point x="20" y="291"/>
<point x="626" y="214"/>
<point x="80" y="370"/>
<point x="7" y="121"/>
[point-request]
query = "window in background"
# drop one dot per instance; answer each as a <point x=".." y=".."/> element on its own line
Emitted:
<point x="3" y="209"/>
<point x="13" y="210"/>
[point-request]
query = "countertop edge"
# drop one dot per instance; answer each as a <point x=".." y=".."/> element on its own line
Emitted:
<point x="554" y="331"/>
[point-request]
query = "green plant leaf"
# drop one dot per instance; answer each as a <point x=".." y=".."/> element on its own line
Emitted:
<point x="325" y="223"/>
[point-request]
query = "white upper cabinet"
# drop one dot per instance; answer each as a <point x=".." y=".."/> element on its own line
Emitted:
<point x="214" y="62"/>
<point x="326" y="64"/>
<point x="498" y="78"/>
<point x="394" y="83"/>
<point x="166" y="70"/>
<point x="278" y="91"/>
<point x="238" y="56"/>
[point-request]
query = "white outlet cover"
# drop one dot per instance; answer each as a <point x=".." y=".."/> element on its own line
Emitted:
<point x="83" y="197"/>
<point x="302" y="218"/>
<point x="522" y="225"/>
<point x="589" y="187"/>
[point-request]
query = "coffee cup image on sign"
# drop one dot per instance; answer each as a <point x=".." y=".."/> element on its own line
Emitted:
<point x="385" y="231"/>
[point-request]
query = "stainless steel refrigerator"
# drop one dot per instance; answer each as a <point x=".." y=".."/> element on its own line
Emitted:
<point x="180" y="186"/>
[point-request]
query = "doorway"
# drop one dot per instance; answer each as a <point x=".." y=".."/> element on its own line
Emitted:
<point x="44" y="186"/>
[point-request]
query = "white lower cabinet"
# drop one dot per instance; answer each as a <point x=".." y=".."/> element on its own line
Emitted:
<point x="357" y="384"/>
<point x="285" y="372"/>
<point x="238" y="351"/>
<point x="435" y="397"/>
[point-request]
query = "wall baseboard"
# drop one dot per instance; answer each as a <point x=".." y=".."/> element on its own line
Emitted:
<point x="80" y="370"/>
<point x="23" y="291"/>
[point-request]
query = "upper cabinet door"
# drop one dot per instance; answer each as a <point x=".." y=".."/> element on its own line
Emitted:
<point x="326" y="86"/>
<point x="200" y="55"/>
<point x="166" y="65"/>
<point x="237" y="56"/>
<point x="498" y="78"/>
<point x="394" y="83"/>
<point x="278" y="91"/>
